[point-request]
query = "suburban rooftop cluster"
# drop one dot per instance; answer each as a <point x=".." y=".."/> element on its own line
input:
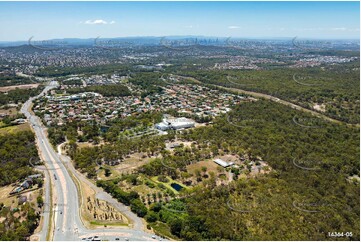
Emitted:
<point x="185" y="98"/>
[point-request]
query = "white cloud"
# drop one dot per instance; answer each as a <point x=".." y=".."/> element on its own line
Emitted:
<point x="310" y="29"/>
<point x="345" y="29"/>
<point x="233" y="27"/>
<point x="339" y="29"/>
<point x="98" y="21"/>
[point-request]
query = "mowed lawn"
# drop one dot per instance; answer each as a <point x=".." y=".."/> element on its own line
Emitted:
<point x="210" y="164"/>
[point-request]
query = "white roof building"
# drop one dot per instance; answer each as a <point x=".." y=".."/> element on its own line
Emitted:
<point x="162" y="126"/>
<point x="178" y="123"/>
<point x="223" y="163"/>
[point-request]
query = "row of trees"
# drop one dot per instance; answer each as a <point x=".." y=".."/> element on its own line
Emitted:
<point x="128" y="198"/>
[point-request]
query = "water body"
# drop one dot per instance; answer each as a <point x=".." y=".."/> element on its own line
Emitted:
<point x="176" y="186"/>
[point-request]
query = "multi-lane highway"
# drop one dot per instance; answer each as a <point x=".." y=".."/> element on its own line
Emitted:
<point x="66" y="221"/>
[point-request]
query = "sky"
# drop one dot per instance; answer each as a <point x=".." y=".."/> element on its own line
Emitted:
<point x="49" y="20"/>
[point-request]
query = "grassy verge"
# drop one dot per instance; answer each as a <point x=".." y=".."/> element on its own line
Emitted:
<point x="99" y="223"/>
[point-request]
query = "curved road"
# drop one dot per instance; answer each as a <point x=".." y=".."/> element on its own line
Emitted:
<point x="65" y="200"/>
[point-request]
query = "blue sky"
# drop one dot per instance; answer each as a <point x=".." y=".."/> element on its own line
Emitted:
<point x="47" y="20"/>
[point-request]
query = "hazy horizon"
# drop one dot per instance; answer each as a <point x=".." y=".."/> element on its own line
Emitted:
<point x="266" y="20"/>
<point x="183" y="36"/>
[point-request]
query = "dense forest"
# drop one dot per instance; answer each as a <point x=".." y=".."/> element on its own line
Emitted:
<point x="52" y="71"/>
<point x="15" y="152"/>
<point x="72" y="82"/>
<point x="18" y="95"/>
<point x="105" y="90"/>
<point x="11" y="80"/>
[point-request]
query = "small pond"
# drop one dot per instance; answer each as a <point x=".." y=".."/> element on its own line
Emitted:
<point x="176" y="186"/>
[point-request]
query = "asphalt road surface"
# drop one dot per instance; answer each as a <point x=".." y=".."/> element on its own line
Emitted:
<point x="65" y="202"/>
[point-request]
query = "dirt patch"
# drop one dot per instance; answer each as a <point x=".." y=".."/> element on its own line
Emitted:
<point x="10" y="111"/>
<point x="4" y="195"/>
<point x="102" y="211"/>
<point x="26" y="86"/>
<point x="320" y="107"/>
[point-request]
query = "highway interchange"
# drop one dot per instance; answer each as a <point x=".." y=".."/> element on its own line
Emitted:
<point x="66" y="219"/>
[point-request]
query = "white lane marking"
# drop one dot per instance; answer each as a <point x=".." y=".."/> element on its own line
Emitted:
<point x="62" y="183"/>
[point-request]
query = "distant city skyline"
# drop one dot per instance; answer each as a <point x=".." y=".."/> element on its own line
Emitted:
<point x="56" y="20"/>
